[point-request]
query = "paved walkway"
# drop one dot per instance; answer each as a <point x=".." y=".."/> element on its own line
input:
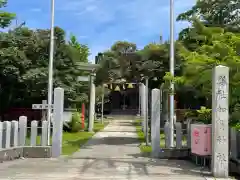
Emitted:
<point x="111" y="154"/>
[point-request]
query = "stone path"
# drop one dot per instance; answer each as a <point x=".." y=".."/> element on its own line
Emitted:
<point x="111" y="154"/>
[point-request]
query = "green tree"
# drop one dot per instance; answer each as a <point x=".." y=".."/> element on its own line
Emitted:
<point x="83" y="49"/>
<point x="24" y="67"/>
<point x="215" y="13"/>
<point x="5" y="17"/>
<point x="218" y="47"/>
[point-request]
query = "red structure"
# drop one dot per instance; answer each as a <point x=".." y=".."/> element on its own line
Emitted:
<point x="83" y="115"/>
<point x="15" y="113"/>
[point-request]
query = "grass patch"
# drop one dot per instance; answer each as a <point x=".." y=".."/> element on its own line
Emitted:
<point x="143" y="147"/>
<point x="72" y="142"/>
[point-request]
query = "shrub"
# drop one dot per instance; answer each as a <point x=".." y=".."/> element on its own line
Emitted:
<point x="204" y="115"/>
<point x="74" y="125"/>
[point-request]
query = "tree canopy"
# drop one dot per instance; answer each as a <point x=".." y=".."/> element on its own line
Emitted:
<point x="212" y="39"/>
<point x="24" y="65"/>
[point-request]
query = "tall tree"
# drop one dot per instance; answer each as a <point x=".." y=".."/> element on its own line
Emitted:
<point x="212" y="13"/>
<point x="24" y="67"/>
<point x="219" y="47"/>
<point x="218" y="13"/>
<point x="83" y="49"/>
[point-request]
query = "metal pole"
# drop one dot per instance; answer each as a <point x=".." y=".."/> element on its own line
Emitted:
<point x="102" y="101"/>
<point x="147" y="140"/>
<point x="50" y="71"/>
<point x="171" y="115"/>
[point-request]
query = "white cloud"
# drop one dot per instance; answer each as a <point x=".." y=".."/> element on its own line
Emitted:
<point x="106" y="21"/>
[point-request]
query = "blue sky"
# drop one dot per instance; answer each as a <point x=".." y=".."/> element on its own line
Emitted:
<point x="99" y="23"/>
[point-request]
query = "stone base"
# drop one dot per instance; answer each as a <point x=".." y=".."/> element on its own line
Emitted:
<point x="27" y="151"/>
<point x="173" y="153"/>
<point x="37" y="152"/>
<point x="205" y="161"/>
<point x="11" y="154"/>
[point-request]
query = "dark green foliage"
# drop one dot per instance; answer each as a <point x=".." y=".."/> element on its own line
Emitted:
<point x="74" y="125"/>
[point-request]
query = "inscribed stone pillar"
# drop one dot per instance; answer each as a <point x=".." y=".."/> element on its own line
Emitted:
<point x="220" y="88"/>
<point x="57" y="122"/>
<point x="155" y="122"/>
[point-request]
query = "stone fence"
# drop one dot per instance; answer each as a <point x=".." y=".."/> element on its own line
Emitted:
<point x="17" y="140"/>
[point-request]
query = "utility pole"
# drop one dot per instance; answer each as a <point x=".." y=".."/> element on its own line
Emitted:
<point x="50" y="71"/>
<point x="171" y="114"/>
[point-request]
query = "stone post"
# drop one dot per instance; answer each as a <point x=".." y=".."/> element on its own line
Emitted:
<point x="146" y="114"/>
<point x="44" y="111"/>
<point x="44" y="133"/>
<point x="155" y="122"/>
<point x="166" y="132"/>
<point x="34" y="132"/>
<point x="139" y="101"/>
<point x="164" y="101"/>
<point x="1" y="135"/>
<point x="22" y="130"/>
<point x="14" y="133"/>
<point x="220" y="89"/>
<point x="57" y="122"/>
<point x="7" y="134"/>
<point x="92" y="104"/>
<point x="143" y="107"/>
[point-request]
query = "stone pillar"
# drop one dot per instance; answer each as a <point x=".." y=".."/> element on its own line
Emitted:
<point x="91" y="105"/>
<point x="143" y="107"/>
<point x="57" y="122"/>
<point x="146" y="114"/>
<point x="1" y="135"/>
<point x="34" y="132"/>
<point x="44" y="111"/>
<point x="7" y="134"/>
<point x="164" y="114"/>
<point x="220" y="89"/>
<point x="139" y="101"/>
<point x="14" y="133"/>
<point x="155" y="122"/>
<point x="44" y="133"/>
<point x="22" y="130"/>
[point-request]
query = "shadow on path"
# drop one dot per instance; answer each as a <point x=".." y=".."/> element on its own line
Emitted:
<point x="140" y="167"/>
